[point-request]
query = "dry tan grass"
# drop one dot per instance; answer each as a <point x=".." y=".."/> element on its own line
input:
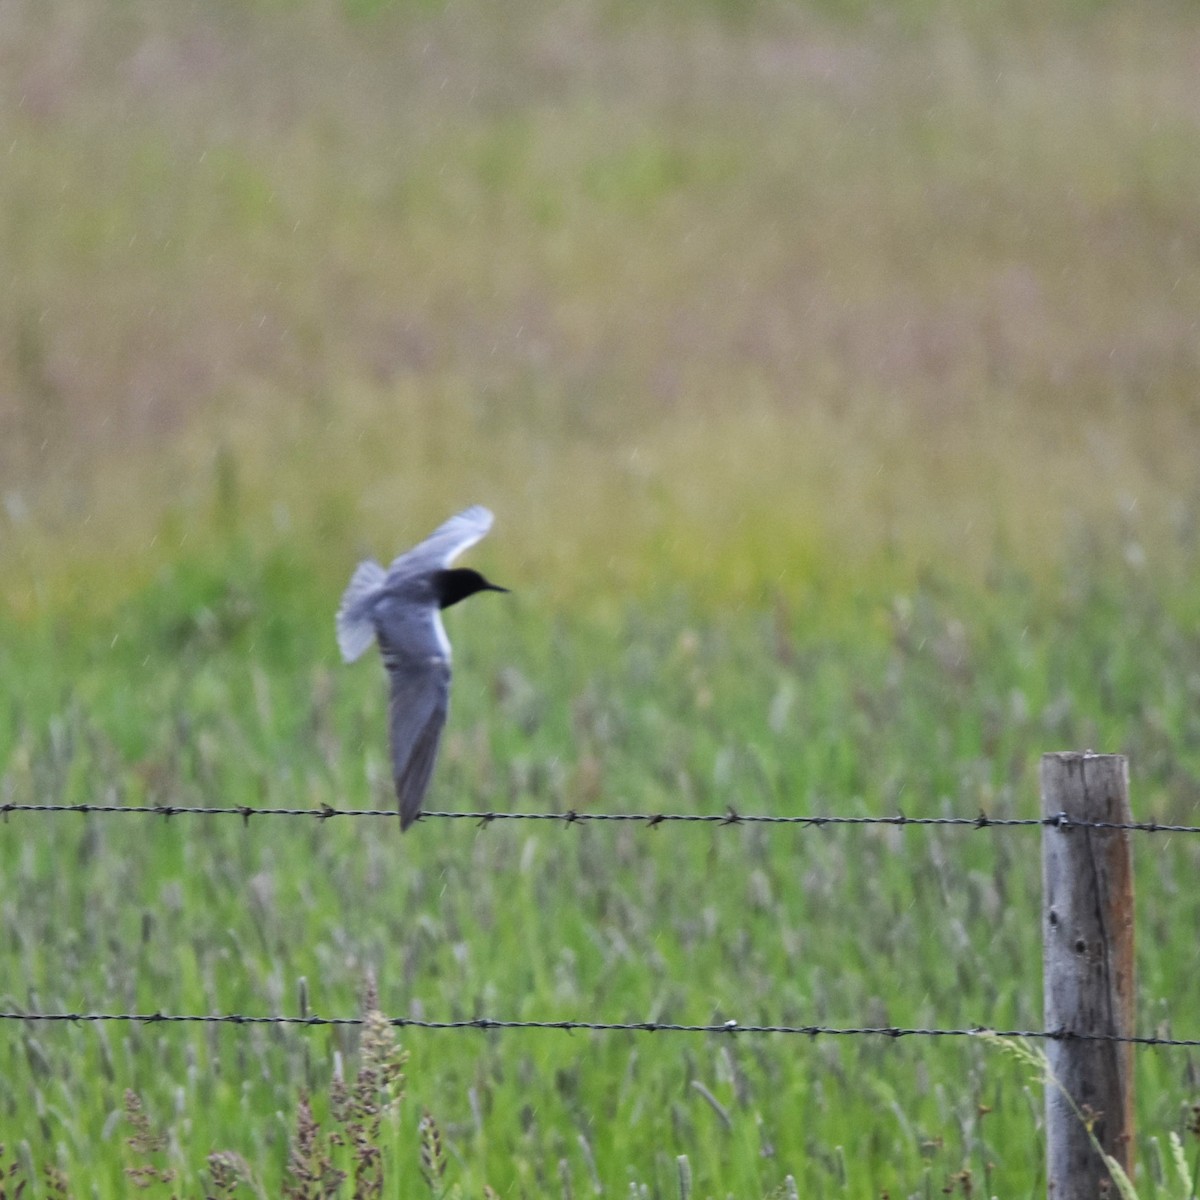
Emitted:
<point x="672" y="290"/>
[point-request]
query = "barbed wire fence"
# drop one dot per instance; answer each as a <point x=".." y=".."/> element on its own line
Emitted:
<point x="731" y="817"/>
<point x="729" y="1028"/>
<point x="1087" y="928"/>
<point x="728" y="819"/>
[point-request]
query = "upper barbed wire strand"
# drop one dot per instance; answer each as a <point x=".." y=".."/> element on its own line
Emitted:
<point x="570" y="817"/>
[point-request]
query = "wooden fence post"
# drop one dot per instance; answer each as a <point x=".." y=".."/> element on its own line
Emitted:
<point x="1087" y="930"/>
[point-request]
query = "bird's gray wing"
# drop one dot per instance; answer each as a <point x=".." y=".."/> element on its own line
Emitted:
<point x="355" y="631"/>
<point x="447" y="541"/>
<point x="420" y="698"/>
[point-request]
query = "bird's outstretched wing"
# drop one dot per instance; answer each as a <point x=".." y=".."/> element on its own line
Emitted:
<point x="354" y="629"/>
<point x="447" y="541"/>
<point x="420" y="698"/>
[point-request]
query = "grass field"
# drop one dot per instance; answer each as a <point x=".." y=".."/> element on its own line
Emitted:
<point x="832" y="371"/>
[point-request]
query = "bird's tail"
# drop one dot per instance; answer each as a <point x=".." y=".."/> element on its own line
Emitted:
<point x="355" y="629"/>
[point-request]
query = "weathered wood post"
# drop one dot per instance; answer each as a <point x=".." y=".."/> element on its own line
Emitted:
<point x="1087" y="930"/>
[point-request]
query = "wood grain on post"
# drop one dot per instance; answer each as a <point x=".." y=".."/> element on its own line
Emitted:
<point x="1087" y="929"/>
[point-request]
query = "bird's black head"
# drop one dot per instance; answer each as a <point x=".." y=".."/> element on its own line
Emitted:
<point x="457" y="584"/>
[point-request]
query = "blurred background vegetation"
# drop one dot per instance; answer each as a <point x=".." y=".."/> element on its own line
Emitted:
<point x="750" y="294"/>
<point x="833" y="369"/>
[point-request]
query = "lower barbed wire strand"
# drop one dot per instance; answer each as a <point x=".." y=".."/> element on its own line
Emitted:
<point x="487" y="1023"/>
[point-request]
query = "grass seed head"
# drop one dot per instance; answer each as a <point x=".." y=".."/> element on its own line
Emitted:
<point x="58" y="1187"/>
<point x="146" y="1141"/>
<point x="433" y="1154"/>
<point x="310" y="1173"/>
<point x="226" y="1170"/>
<point x="12" y="1178"/>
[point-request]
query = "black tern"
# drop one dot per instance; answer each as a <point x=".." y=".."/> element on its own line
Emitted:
<point x="401" y="608"/>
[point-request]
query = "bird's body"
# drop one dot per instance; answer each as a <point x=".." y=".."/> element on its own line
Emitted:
<point x="401" y="609"/>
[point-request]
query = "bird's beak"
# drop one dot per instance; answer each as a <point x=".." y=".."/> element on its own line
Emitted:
<point x="495" y="587"/>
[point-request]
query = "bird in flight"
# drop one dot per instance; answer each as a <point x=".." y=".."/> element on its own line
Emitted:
<point x="401" y="609"/>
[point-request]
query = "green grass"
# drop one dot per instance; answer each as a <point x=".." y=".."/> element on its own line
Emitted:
<point x="941" y="706"/>
<point x="832" y="373"/>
